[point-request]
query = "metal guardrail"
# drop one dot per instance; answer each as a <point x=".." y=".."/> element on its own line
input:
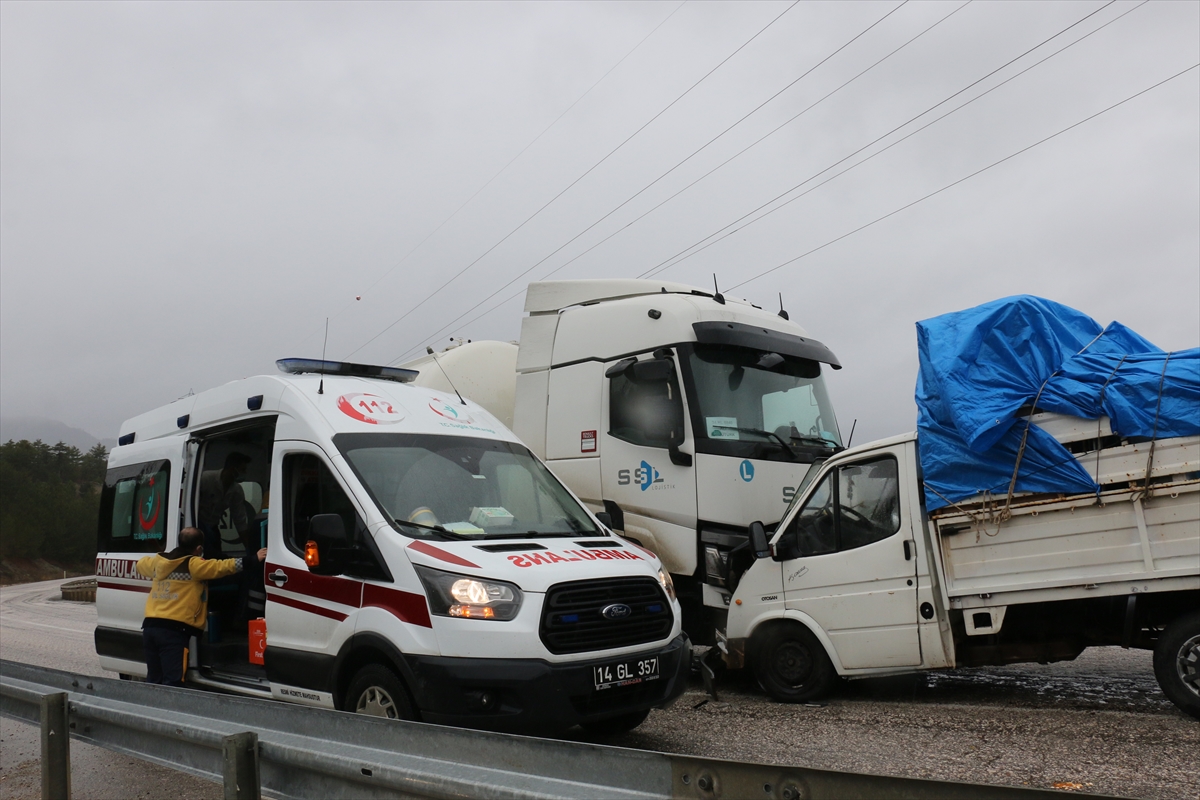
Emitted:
<point x="80" y="590"/>
<point x="301" y="752"/>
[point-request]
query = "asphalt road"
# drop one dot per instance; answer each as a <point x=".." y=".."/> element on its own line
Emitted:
<point x="1099" y="723"/>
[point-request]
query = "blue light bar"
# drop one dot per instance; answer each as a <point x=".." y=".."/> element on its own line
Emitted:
<point x="315" y="366"/>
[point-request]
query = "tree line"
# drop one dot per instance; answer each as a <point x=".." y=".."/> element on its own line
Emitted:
<point x="50" y="500"/>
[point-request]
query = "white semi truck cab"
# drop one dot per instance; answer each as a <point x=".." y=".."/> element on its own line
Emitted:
<point x="681" y="414"/>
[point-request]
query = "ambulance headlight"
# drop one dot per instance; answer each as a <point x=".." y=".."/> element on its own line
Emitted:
<point x="463" y="596"/>
<point x="668" y="585"/>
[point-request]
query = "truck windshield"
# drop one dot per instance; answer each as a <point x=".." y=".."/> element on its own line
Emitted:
<point x="457" y="487"/>
<point x="758" y="404"/>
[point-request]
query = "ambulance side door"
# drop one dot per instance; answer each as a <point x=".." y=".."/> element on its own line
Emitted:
<point x="309" y="615"/>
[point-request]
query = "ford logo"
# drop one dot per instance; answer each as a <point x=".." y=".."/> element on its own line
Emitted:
<point x="616" y="611"/>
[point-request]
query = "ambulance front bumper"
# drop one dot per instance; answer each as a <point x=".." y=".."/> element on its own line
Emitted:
<point x="535" y="696"/>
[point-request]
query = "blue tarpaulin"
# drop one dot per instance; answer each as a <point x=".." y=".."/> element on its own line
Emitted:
<point x="979" y="366"/>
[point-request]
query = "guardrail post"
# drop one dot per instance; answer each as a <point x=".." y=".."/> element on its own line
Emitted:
<point x="240" y="752"/>
<point x="56" y="748"/>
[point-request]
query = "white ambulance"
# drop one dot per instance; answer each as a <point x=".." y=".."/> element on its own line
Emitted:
<point x="422" y="563"/>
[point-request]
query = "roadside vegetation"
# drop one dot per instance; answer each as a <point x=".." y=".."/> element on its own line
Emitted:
<point x="49" y="500"/>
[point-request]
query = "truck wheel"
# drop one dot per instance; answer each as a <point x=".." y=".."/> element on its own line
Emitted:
<point x="791" y="665"/>
<point x="377" y="692"/>
<point x="613" y="725"/>
<point x="1177" y="663"/>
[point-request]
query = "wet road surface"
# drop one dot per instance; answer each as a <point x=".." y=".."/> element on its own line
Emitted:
<point x="1099" y="722"/>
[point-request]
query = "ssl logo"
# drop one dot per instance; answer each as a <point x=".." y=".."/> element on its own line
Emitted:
<point x="643" y="476"/>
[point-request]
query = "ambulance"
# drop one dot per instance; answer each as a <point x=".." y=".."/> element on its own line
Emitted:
<point x="422" y="563"/>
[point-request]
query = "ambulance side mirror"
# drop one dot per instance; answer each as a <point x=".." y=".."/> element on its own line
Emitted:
<point x="328" y="527"/>
<point x="758" y="540"/>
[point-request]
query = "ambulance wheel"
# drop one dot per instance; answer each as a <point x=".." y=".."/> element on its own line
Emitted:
<point x="1177" y="663"/>
<point x="791" y="665"/>
<point x="613" y="725"/>
<point x="377" y="692"/>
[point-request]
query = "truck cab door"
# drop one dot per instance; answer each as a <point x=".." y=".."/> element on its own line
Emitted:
<point x="647" y="463"/>
<point x="850" y="564"/>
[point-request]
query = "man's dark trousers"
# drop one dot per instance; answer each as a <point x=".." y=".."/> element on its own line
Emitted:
<point x="166" y="653"/>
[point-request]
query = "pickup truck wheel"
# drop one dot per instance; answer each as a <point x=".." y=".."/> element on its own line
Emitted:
<point x="612" y="725"/>
<point x="1177" y="663"/>
<point x="791" y="665"/>
<point x="377" y="692"/>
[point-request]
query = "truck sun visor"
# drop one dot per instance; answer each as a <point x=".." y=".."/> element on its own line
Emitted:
<point x="315" y="366"/>
<point x="743" y="335"/>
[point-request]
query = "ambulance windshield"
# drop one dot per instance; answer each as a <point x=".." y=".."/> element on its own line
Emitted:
<point x="457" y="487"/>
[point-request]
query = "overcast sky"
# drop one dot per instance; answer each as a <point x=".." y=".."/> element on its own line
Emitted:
<point x="187" y="190"/>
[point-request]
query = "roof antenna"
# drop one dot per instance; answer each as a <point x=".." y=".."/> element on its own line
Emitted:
<point x="720" y="298"/>
<point x="782" y="313"/>
<point x="443" y="369"/>
<point x="851" y="437"/>
<point x="321" y="386"/>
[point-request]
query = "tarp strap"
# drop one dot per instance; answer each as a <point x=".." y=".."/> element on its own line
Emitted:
<point x="1100" y="406"/>
<point x="1006" y="513"/>
<point x="1148" y="492"/>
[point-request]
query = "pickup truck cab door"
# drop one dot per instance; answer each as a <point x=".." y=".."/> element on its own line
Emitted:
<point x="849" y="563"/>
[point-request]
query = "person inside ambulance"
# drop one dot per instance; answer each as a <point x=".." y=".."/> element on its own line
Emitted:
<point x="177" y="607"/>
<point x="221" y="493"/>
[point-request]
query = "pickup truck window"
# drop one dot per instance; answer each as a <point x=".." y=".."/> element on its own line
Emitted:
<point x="866" y="510"/>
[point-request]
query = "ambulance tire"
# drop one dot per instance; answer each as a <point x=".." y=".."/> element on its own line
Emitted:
<point x="376" y="691"/>
<point x="791" y="665"/>
<point x="614" y="725"/>
<point x="1177" y="663"/>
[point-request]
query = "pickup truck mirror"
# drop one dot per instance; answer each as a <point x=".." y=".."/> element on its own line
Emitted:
<point x="758" y="540"/>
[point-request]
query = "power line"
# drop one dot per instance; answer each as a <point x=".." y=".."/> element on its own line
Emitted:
<point x="743" y="150"/>
<point x="511" y="161"/>
<point x="694" y="153"/>
<point x="577" y="180"/>
<point x="997" y="86"/>
<point x="675" y="259"/>
<point x="659" y="270"/>
<point x="968" y="177"/>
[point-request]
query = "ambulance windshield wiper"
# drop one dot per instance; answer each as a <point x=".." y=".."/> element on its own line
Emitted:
<point x="446" y="532"/>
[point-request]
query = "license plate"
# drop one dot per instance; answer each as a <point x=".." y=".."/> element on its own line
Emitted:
<point x="626" y="673"/>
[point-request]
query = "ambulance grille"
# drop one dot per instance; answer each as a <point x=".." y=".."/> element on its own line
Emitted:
<point x="572" y="621"/>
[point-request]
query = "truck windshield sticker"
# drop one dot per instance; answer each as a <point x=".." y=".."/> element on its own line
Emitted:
<point x="550" y="557"/>
<point x="722" y="428"/>
<point x="369" y="408"/>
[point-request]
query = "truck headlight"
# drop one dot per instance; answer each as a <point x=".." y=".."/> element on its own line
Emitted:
<point x="463" y="596"/>
<point x="668" y="585"/>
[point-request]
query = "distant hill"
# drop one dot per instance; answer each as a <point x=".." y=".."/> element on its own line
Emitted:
<point x="49" y="431"/>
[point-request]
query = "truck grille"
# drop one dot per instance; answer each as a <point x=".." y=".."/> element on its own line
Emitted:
<point x="572" y="621"/>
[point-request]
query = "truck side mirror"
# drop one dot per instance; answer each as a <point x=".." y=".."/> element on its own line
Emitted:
<point x="654" y="370"/>
<point x="758" y="540"/>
